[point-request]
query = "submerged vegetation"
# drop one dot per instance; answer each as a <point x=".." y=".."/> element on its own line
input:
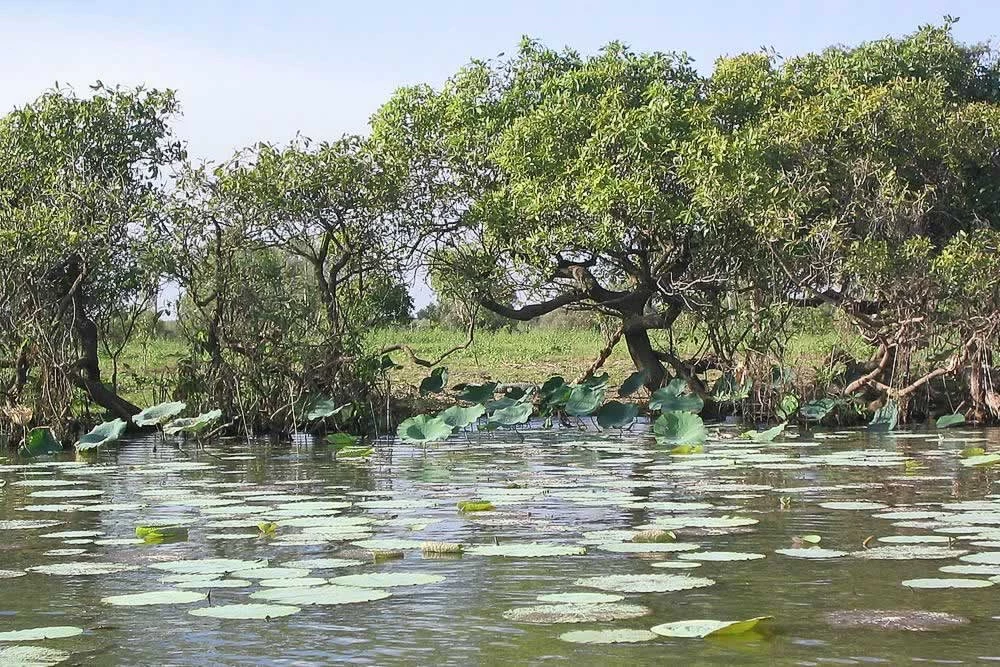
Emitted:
<point x="698" y="220"/>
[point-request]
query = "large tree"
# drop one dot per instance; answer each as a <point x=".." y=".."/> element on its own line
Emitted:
<point x="80" y="209"/>
<point x="871" y="175"/>
<point x="558" y="178"/>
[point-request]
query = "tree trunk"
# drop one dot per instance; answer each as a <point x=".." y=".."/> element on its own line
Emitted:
<point x="88" y="369"/>
<point x="640" y="348"/>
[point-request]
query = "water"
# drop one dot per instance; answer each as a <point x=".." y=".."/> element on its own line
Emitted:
<point x="550" y="488"/>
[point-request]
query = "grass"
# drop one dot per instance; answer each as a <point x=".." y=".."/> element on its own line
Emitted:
<point x="147" y="369"/>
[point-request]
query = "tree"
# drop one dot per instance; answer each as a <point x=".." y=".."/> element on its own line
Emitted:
<point x="564" y="176"/>
<point x="870" y="176"/>
<point x="80" y="203"/>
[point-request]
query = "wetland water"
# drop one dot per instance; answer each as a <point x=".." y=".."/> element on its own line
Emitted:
<point x="910" y="490"/>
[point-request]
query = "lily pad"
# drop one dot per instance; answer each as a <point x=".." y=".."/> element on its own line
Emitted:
<point x="645" y="583"/>
<point x="813" y="552"/>
<point x="102" y="434"/>
<point x="387" y="579"/>
<point x="323" y="563"/>
<point x="258" y="612"/>
<point x="209" y="565"/>
<point x="620" y="636"/>
<point x="31" y="656"/>
<point x="82" y="569"/>
<point x="526" y="550"/>
<point x="158" y="414"/>
<point x="271" y="573"/>
<point x="909" y="552"/>
<point x="721" y="556"/>
<point x="424" y="428"/>
<point x="674" y="398"/>
<point x="580" y="598"/>
<point x="912" y="620"/>
<point x="707" y="628"/>
<point x="320" y="595"/>
<point x="947" y="583"/>
<point x="35" y="634"/>
<point x="193" y="424"/>
<point x="575" y="613"/>
<point x="154" y="598"/>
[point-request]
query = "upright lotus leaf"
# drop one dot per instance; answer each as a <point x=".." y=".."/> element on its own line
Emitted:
<point x="674" y="398"/>
<point x="818" y="409"/>
<point x="513" y="415"/>
<point x="476" y="393"/>
<point x="341" y="440"/>
<point x="193" y="424"/>
<point x="321" y="407"/>
<point x="423" y="428"/>
<point x="946" y="421"/>
<point x="458" y="417"/>
<point x="787" y="408"/>
<point x="599" y="382"/>
<point x="40" y="442"/>
<point x="765" y="436"/>
<point x="515" y="393"/>
<point x="552" y="385"/>
<point x="683" y="428"/>
<point x="707" y="628"/>
<point x="615" y="414"/>
<point x="886" y="417"/>
<point x="103" y="434"/>
<point x="633" y="383"/>
<point x="728" y="390"/>
<point x="584" y="400"/>
<point x="435" y="382"/>
<point x="159" y="414"/>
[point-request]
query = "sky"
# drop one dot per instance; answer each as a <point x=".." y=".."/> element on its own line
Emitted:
<point x="263" y="71"/>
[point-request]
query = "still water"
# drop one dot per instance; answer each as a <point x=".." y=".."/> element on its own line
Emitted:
<point x="856" y="491"/>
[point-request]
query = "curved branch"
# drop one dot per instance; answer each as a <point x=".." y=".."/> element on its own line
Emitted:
<point x="430" y="364"/>
<point x="534" y="310"/>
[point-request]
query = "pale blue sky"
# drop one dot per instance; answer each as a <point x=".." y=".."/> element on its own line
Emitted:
<point x="255" y="70"/>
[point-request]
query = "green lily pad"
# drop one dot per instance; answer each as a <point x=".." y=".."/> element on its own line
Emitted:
<point x="154" y="597"/>
<point x="947" y="421"/>
<point x="811" y="552"/>
<point x="707" y="628"/>
<point x="250" y="612"/>
<point x="615" y="414"/>
<point x="158" y="414"/>
<point x="721" y="556"/>
<point x="320" y="595"/>
<point x="31" y="656"/>
<point x="981" y="460"/>
<point x="645" y="583"/>
<point x="193" y="424"/>
<point x="526" y="550"/>
<point x="458" y="417"/>
<point x="81" y="569"/>
<point x="620" y="636"/>
<point x="576" y="613"/>
<point x="580" y="598"/>
<point x="424" y="428"/>
<point x="512" y="415"/>
<point x="271" y="573"/>
<point x="947" y="583"/>
<point x="387" y="579"/>
<point x="680" y="428"/>
<point x="323" y="563"/>
<point x="209" y="565"/>
<point x="102" y="434"/>
<point x="584" y="401"/>
<point x="476" y="393"/>
<point x="673" y="398"/>
<point x="35" y="634"/>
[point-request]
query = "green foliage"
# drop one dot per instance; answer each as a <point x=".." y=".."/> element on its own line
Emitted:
<point x="458" y="417"/>
<point x="193" y="425"/>
<point x="674" y="397"/>
<point x="633" y="383"/>
<point x="101" y="434"/>
<point x="886" y="417"/>
<point x="787" y="408"/>
<point x="435" y="382"/>
<point x="768" y="435"/>
<point x="158" y="414"/>
<point x="39" y="441"/>
<point x="476" y="393"/>
<point x="683" y="428"/>
<point x="818" y="409"/>
<point x="511" y="415"/>
<point x="423" y="429"/>
<point x="615" y="414"/>
<point x="946" y="421"/>
<point x="584" y="400"/>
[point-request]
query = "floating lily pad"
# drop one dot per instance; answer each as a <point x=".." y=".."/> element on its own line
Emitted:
<point x="387" y="579"/>
<point x="154" y="598"/>
<point x="707" y="628"/>
<point x="853" y="505"/>
<point x="321" y="595"/>
<point x="271" y="573"/>
<point x="527" y="550"/>
<point x="209" y="565"/>
<point x="27" y="524"/>
<point x="911" y="620"/>
<point x="811" y="552"/>
<point x="645" y="583"/>
<point x="252" y="612"/>
<point x="647" y="547"/>
<point x="215" y="583"/>
<point x="580" y="598"/>
<point x="947" y="583"/>
<point x="721" y="556"/>
<point x="82" y="569"/>
<point x="34" y="634"/>
<point x="11" y="574"/>
<point x="909" y="552"/>
<point x="31" y="656"/>
<point x="323" y="563"/>
<point x="575" y="613"/>
<point x="621" y="636"/>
